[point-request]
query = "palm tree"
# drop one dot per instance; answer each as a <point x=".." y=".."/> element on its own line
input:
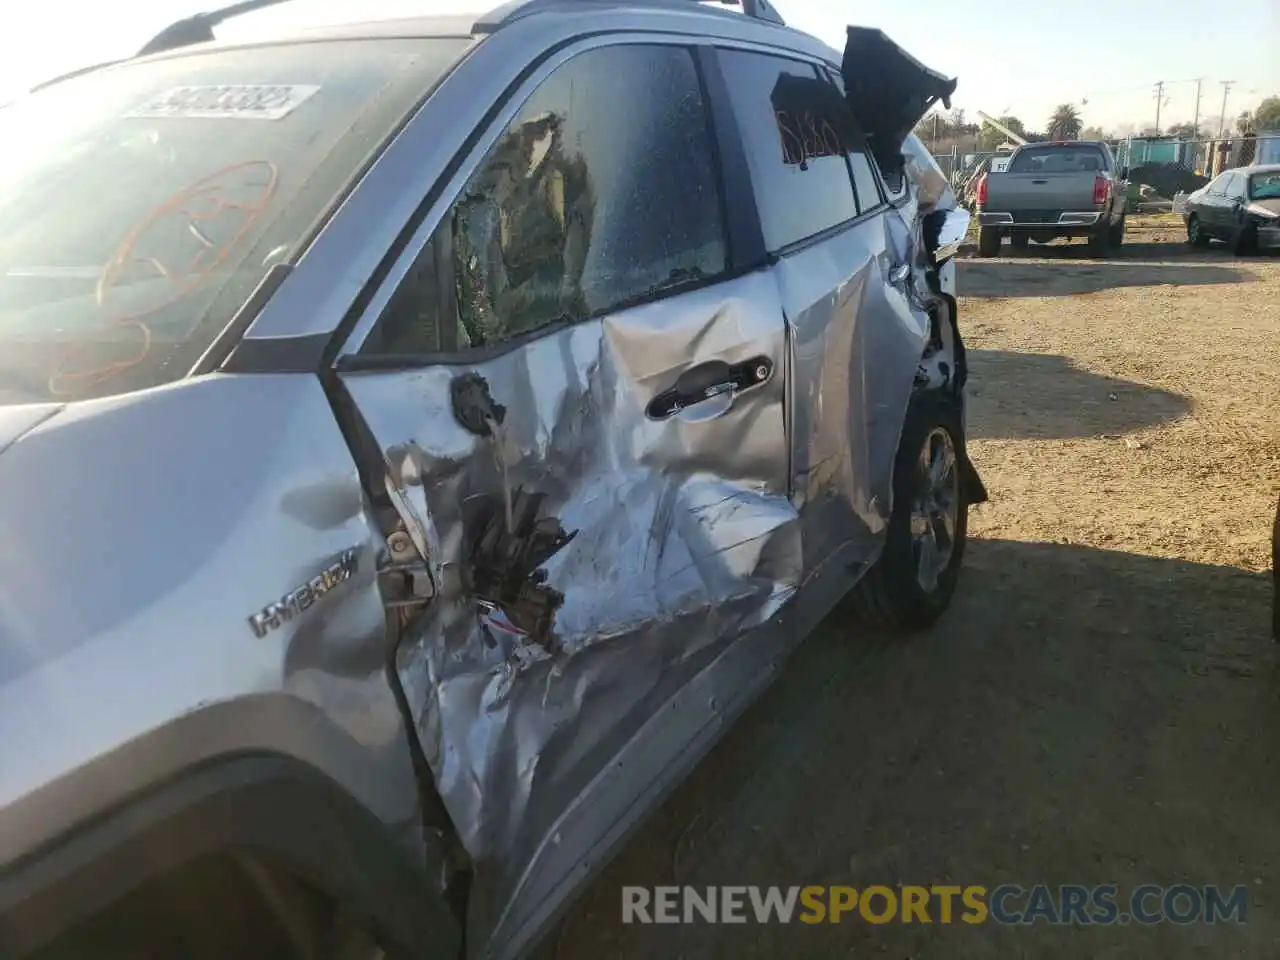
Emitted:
<point x="1065" y="123"/>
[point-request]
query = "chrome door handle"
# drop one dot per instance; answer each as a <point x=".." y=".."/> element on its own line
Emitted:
<point x="709" y="381"/>
<point x="900" y="273"/>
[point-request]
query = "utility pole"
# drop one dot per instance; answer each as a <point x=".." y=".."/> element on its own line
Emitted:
<point x="1159" y="103"/>
<point x="1222" y="123"/>
<point x="1195" y="123"/>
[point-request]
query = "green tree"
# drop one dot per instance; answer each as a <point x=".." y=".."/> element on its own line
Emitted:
<point x="1065" y="124"/>
<point x="1266" y="116"/>
<point x="1093" y="133"/>
<point x="1185" y="131"/>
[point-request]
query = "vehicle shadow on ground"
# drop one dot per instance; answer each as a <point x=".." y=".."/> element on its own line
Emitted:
<point x="1079" y="716"/>
<point x="1059" y="271"/>
<point x="1044" y="396"/>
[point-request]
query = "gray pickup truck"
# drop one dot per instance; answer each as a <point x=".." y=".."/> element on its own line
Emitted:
<point x="1051" y="190"/>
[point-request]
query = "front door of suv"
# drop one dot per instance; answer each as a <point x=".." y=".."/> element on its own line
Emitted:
<point x="572" y="385"/>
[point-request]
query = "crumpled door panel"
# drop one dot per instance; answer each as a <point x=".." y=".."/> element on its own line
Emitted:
<point x="857" y="341"/>
<point x="589" y="559"/>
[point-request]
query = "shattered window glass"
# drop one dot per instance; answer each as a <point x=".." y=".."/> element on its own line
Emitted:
<point x="601" y="192"/>
<point x="794" y="126"/>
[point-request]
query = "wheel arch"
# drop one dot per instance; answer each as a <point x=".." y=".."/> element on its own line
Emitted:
<point x="273" y="806"/>
<point x="944" y="318"/>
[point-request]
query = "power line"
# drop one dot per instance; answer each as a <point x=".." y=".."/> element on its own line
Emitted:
<point x="1145" y="86"/>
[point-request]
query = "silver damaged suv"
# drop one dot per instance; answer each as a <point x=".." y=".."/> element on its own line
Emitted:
<point x="421" y="439"/>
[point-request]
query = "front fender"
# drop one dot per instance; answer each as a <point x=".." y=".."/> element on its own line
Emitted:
<point x="141" y="533"/>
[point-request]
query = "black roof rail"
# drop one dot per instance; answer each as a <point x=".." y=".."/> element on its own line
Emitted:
<point x="761" y="10"/>
<point x="199" y="28"/>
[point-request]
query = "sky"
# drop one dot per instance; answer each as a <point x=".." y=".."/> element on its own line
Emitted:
<point x="1011" y="58"/>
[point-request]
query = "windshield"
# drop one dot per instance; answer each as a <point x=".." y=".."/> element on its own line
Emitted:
<point x="1056" y="159"/>
<point x="1265" y="186"/>
<point x="141" y="204"/>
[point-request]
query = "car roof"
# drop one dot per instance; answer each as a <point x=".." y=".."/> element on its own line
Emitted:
<point x="455" y="25"/>
<point x="485" y="21"/>
<point x="461" y="26"/>
<point x="1260" y="168"/>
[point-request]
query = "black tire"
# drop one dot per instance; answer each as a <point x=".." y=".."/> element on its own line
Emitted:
<point x="1117" y="234"/>
<point x="1019" y="241"/>
<point x="892" y="594"/>
<point x="1100" y="243"/>
<point x="988" y="242"/>
<point x="1196" y="236"/>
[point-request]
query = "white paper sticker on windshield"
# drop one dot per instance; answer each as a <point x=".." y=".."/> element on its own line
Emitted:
<point x="247" y="101"/>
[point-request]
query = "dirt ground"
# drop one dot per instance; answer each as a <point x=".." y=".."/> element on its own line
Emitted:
<point x="1101" y="704"/>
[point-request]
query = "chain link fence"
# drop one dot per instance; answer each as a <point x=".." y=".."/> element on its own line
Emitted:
<point x="1206" y="157"/>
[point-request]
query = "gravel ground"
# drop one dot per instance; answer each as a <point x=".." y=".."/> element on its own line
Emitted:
<point x="1100" y="705"/>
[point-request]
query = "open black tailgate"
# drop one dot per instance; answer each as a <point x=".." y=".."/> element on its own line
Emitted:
<point x="889" y="91"/>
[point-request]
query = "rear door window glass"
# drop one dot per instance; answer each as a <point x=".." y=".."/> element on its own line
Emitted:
<point x="864" y="180"/>
<point x="141" y="204"/>
<point x="794" y="127"/>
